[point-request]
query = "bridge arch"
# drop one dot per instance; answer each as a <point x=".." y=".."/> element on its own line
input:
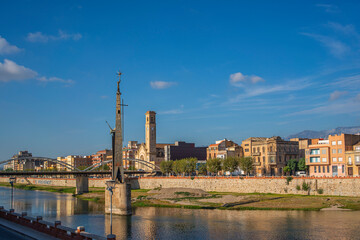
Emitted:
<point x="69" y="166"/>
<point x="146" y="163"/>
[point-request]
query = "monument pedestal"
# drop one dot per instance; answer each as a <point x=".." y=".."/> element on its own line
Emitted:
<point x="121" y="199"/>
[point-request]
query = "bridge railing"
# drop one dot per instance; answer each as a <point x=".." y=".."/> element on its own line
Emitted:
<point x="54" y="229"/>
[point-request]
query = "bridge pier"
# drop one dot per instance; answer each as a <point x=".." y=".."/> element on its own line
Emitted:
<point x="82" y="184"/>
<point x="121" y="200"/>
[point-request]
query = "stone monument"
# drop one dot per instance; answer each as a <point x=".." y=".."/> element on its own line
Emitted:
<point x="121" y="196"/>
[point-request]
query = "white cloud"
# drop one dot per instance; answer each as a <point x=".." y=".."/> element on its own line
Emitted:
<point x="161" y="84"/>
<point x="345" y="29"/>
<point x="238" y="79"/>
<point x="252" y="91"/>
<point x="173" y="111"/>
<point x="330" y="8"/>
<point x="10" y="71"/>
<point x="336" y="47"/>
<point x="41" y="37"/>
<point x="334" y="108"/>
<point x="6" y="47"/>
<point x="336" y="95"/>
<point x="55" y="79"/>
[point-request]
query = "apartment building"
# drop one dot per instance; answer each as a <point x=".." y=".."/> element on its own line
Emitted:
<point x="270" y="155"/>
<point x="352" y="158"/>
<point x="327" y="157"/>
<point x="223" y="149"/>
<point x="303" y="145"/>
<point x="75" y="161"/>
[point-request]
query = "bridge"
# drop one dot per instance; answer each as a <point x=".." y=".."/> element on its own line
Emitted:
<point x="81" y="176"/>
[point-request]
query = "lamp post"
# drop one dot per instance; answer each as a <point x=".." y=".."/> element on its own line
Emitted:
<point x="11" y="181"/>
<point x="110" y="185"/>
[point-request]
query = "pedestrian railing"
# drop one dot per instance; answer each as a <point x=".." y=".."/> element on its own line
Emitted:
<point x="54" y="229"/>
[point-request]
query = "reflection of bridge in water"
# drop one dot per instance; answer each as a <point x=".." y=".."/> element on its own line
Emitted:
<point x="74" y="170"/>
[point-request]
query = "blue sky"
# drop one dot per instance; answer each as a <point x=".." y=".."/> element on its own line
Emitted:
<point x="210" y="69"/>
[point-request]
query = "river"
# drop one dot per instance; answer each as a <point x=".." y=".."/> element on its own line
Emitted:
<point x="172" y="223"/>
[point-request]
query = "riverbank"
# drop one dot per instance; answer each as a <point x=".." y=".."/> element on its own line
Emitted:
<point x="186" y="198"/>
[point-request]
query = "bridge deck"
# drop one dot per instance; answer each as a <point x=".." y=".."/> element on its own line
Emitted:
<point x="67" y="173"/>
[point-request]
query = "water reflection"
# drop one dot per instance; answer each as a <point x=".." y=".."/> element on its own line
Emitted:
<point x="166" y="223"/>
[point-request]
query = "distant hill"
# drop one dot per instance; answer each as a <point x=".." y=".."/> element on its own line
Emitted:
<point x="325" y="133"/>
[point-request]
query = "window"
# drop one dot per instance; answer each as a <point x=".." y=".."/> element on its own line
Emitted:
<point x="323" y="159"/>
<point x="334" y="150"/>
<point x="314" y="169"/>
<point x="357" y="148"/>
<point x="319" y="169"/>
<point x="328" y="169"/>
<point x="339" y="150"/>
<point x="263" y="149"/>
<point x="334" y="159"/>
<point x="323" y="151"/>
<point x="323" y="169"/>
<point x="279" y="158"/>
<point x="254" y="149"/>
<point x="258" y="149"/>
<point x="314" y="159"/>
<point x="339" y="142"/>
<point x="246" y="145"/>
<point x="263" y="159"/>
<point x="357" y="158"/>
<point x="246" y="150"/>
<point x="314" y="151"/>
<point x="340" y="159"/>
<point x="343" y="168"/>
<point x="349" y="160"/>
<point x="333" y="143"/>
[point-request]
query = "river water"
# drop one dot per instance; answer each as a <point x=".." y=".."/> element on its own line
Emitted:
<point x="172" y="223"/>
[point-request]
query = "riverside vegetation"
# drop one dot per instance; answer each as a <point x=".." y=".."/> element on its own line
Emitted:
<point x="199" y="199"/>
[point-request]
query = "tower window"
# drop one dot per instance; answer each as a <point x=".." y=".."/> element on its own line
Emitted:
<point x="118" y="111"/>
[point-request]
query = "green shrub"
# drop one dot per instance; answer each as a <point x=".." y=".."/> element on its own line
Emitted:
<point x="320" y="191"/>
<point x="288" y="180"/>
<point x="298" y="187"/>
<point x="183" y="193"/>
<point x="305" y="186"/>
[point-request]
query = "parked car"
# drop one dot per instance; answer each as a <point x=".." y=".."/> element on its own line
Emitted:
<point x="300" y="173"/>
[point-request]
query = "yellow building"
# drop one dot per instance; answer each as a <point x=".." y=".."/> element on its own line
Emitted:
<point x="270" y="155"/>
<point x="353" y="160"/>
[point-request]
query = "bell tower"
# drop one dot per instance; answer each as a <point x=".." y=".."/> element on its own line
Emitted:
<point x="150" y="135"/>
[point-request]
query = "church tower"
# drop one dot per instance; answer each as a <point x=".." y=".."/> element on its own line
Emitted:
<point x="150" y="135"/>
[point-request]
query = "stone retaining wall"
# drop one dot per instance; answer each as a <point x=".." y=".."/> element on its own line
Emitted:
<point x="345" y="186"/>
<point x="330" y="186"/>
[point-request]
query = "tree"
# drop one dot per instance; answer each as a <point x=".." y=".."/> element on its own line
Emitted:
<point x="287" y="169"/>
<point x="190" y="165"/>
<point x="9" y="170"/>
<point x="230" y="164"/>
<point x="166" y="167"/>
<point x="176" y="167"/>
<point x="302" y="165"/>
<point x="246" y="164"/>
<point x="292" y="163"/>
<point x="214" y="165"/>
<point x="132" y="168"/>
<point x="202" y="169"/>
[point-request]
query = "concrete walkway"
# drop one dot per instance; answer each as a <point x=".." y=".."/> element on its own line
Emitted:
<point x="16" y="231"/>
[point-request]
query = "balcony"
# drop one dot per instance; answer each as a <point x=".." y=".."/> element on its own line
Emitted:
<point x="257" y="164"/>
<point x="349" y="163"/>
<point x="357" y="163"/>
<point x="271" y="153"/>
<point x="256" y="153"/>
<point x="272" y="163"/>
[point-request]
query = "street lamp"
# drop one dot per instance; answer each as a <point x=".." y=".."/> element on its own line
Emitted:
<point x="11" y="181"/>
<point x="110" y="185"/>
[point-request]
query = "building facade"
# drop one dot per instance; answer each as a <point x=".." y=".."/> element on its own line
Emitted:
<point x="270" y="155"/>
<point x="328" y="157"/>
<point x="352" y="157"/>
<point x="223" y="149"/>
<point x="75" y="161"/>
<point x="181" y="150"/>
